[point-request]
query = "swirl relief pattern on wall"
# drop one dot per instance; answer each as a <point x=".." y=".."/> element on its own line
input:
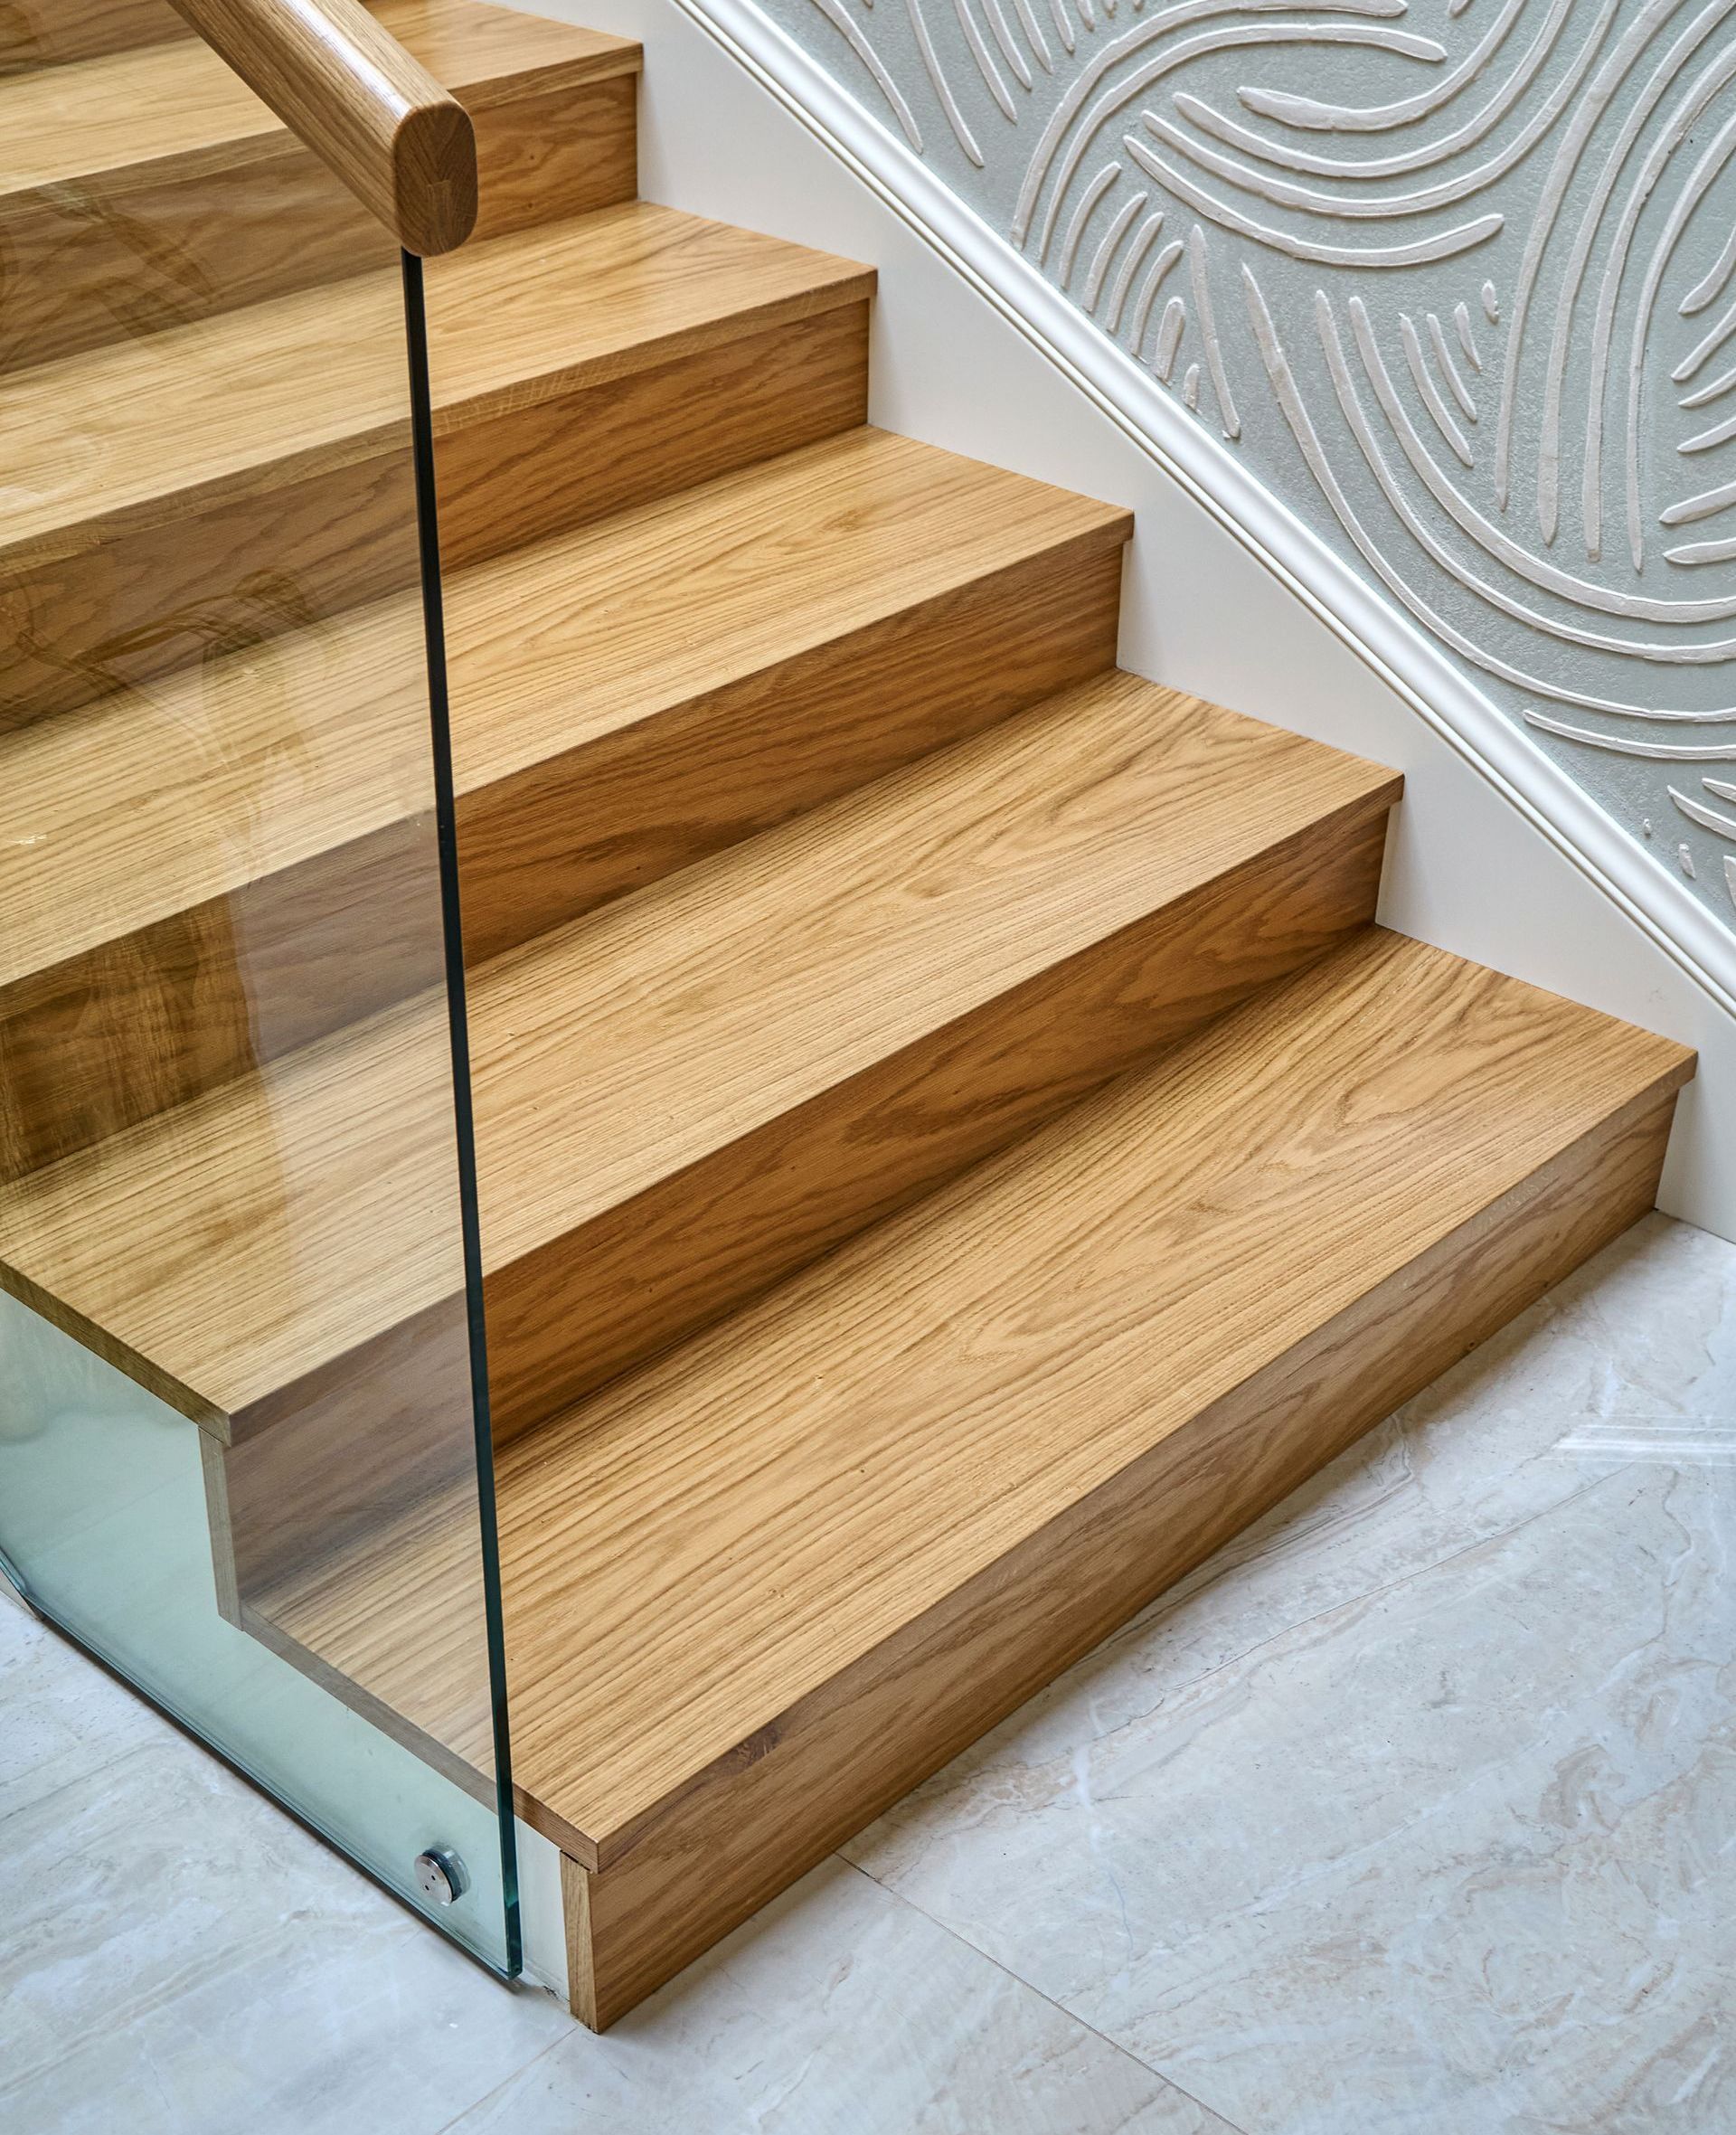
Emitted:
<point x="1458" y="277"/>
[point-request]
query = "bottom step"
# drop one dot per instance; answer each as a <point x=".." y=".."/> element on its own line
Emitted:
<point x="761" y="1587"/>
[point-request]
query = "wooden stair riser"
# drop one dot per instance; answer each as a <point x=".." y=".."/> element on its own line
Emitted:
<point x="230" y="984"/>
<point x="623" y="441"/>
<point x="53" y="33"/>
<point x="575" y="830"/>
<point x="148" y="590"/>
<point x="133" y="251"/>
<point x="661" y="1265"/>
<point x="545" y="155"/>
<point x="327" y="1459"/>
<point x="225" y="986"/>
<point x="117" y="601"/>
<point x="658" y="1267"/>
<point x="815" y="1775"/>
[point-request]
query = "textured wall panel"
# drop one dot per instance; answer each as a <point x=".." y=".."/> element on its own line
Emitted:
<point x="1458" y="278"/>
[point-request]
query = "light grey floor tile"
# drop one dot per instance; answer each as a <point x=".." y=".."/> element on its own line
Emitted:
<point x="58" y="1720"/>
<point x="1423" y="1818"/>
<point x="177" y="1958"/>
<point x="841" y="2011"/>
<point x="1633" y="1354"/>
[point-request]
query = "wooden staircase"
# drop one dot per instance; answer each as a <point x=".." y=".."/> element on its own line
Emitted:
<point x="953" y="1145"/>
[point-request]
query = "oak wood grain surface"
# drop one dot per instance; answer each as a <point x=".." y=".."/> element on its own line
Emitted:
<point x="770" y="1049"/>
<point x="312" y="738"/>
<point x="620" y="1051"/>
<point x="545" y="156"/>
<point x="651" y="432"/>
<point x="796" y="1790"/>
<point x="150" y="106"/>
<point x="697" y="1243"/>
<point x="136" y="534"/>
<point x="212" y="857"/>
<point x="756" y="1591"/>
<point x="314" y="379"/>
<point x="826" y="1467"/>
<point x="667" y="1260"/>
<point x="54" y="33"/>
<point x="730" y="993"/>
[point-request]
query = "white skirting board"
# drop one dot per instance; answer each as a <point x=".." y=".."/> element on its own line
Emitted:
<point x="1496" y="855"/>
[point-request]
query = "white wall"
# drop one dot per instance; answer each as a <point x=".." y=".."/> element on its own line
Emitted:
<point x="1226" y="596"/>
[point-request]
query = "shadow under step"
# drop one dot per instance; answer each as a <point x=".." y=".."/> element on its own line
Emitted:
<point x="151" y="188"/>
<point x="230" y="863"/>
<point x="757" y="1589"/>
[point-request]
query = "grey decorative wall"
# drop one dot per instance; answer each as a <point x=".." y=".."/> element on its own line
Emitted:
<point x="1458" y="276"/>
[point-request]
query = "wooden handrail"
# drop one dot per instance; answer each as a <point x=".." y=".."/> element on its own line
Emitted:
<point x="350" y="91"/>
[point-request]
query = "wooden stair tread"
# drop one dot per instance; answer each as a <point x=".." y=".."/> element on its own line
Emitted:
<point x="178" y="98"/>
<point x="634" y="1042"/>
<point x="306" y="381"/>
<point x="219" y="1252"/>
<point x="619" y="1048"/>
<point x="195" y="785"/>
<point x="701" y="1547"/>
<point x="189" y="787"/>
<point x="687" y="594"/>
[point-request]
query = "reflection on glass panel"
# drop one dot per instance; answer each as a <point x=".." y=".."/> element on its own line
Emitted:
<point x="105" y="1501"/>
<point x="238" y="1445"/>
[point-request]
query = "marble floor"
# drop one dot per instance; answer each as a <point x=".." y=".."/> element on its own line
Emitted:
<point x="1412" y="1813"/>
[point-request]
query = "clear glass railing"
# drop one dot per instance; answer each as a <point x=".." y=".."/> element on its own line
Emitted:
<point x="243" y="1437"/>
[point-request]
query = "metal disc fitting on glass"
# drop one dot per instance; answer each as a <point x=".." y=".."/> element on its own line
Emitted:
<point x="441" y="1876"/>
